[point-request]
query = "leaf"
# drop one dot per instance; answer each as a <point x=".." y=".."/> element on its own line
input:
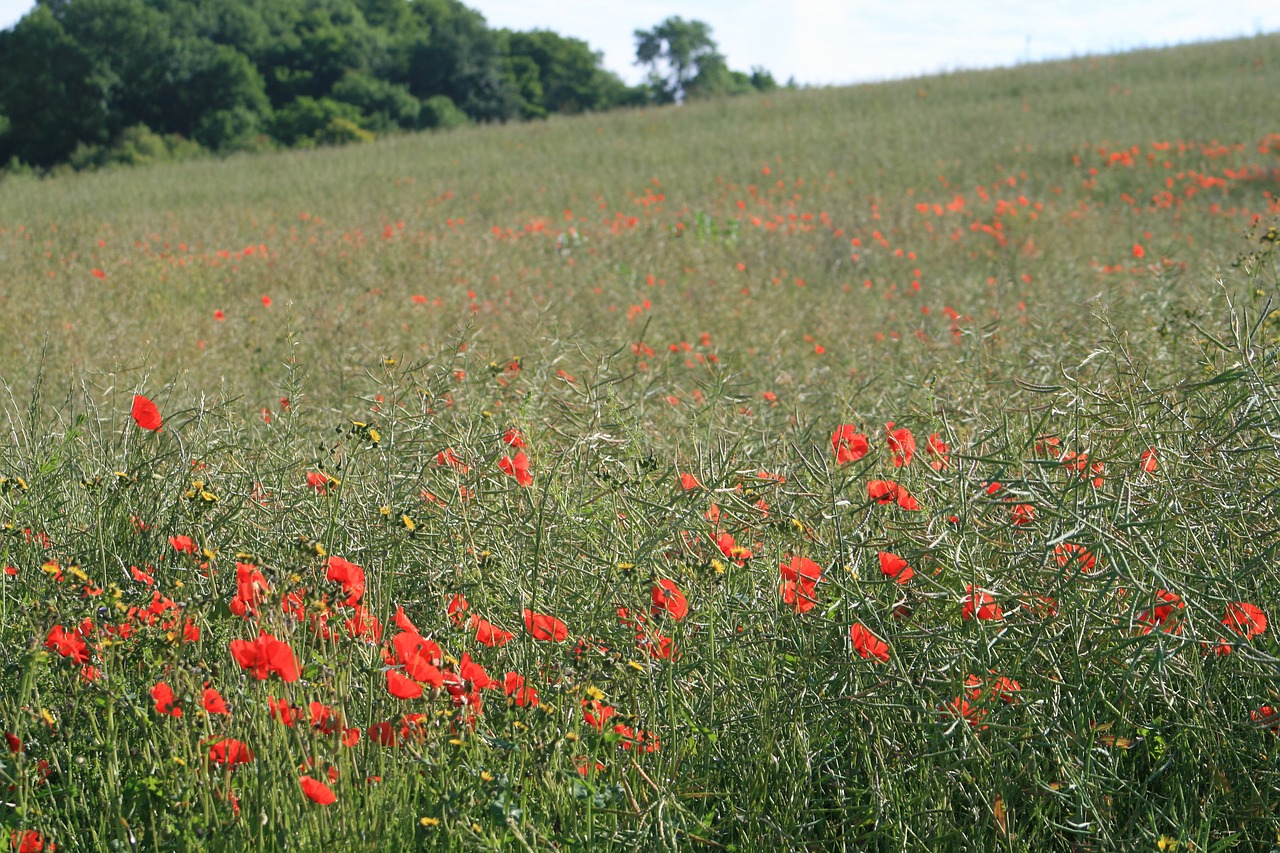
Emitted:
<point x="1002" y="819"/>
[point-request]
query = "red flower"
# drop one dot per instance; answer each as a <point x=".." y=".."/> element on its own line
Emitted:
<point x="213" y="703"/>
<point x="891" y="565"/>
<point x="1149" y="460"/>
<point x="514" y="437"/>
<point x="264" y="656"/>
<point x="1138" y="251"/>
<point x="456" y="607"/>
<point x="320" y="481"/>
<point x="283" y="710"/>
<point x="867" y="644"/>
<point x="184" y="544"/>
<point x="401" y="687"/>
<point x="317" y="791"/>
<point x="1158" y="616"/>
<point x="799" y="583"/>
<point x="1066" y="552"/>
<point x="518" y="468"/>
<point x="887" y="492"/>
<point x="848" y="444"/>
<point x="28" y="840"/>
<point x="959" y="708"/>
<point x="1023" y="514"/>
<point x="543" y="627"/>
<point x="688" y="482"/>
<point x="1266" y="717"/>
<point x="145" y="413"/>
<point x="902" y="444"/>
<point x="229" y="751"/>
<point x="667" y="596"/>
<point x="166" y="703"/>
<point x="596" y="713"/>
<point x="489" y="634"/>
<point x="939" y="452"/>
<point x="69" y="644"/>
<point x="349" y="575"/>
<point x="447" y="458"/>
<point x="979" y="603"/>
<point x="523" y="697"/>
<point x="1245" y="619"/>
<point x="731" y="549"/>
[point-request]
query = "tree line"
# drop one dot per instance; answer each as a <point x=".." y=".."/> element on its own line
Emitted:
<point x="88" y="82"/>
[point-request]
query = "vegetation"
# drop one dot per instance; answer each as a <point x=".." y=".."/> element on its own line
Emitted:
<point x="881" y="468"/>
<point x="77" y="77"/>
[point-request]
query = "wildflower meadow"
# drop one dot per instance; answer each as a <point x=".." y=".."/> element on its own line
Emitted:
<point x="890" y="467"/>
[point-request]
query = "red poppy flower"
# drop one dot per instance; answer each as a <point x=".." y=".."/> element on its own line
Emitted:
<point x="1066" y="552"/>
<point x="401" y="687"/>
<point x="939" y="452"/>
<point x="230" y="752"/>
<point x="731" y="549"/>
<point x="799" y="583"/>
<point x="1149" y="460"/>
<point x="420" y="658"/>
<point x="489" y="634"/>
<point x="320" y="481"/>
<point x="891" y="565"/>
<point x="667" y="596"/>
<point x="283" y="710"/>
<point x="184" y="544"/>
<point x="145" y="413"/>
<point x="1159" y="615"/>
<point x="1266" y="717"/>
<point x="518" y="468"/>
<point x="213" y="703"/>
<point x="166" y="702"/>
<point x="543" y="627"/>
<point x="403" y="622"/>
<point x="848" y="444"/>
<point x="688" y="482"/>
<point x="28" y="840"/>
<point x="264" y="656"/>
<point x="447" y="458"/>
<point x="1023" y="514"/>
<point x="979" y="603"/>
<point x="867" y="644"/>
<point x="349" y="575"/>
<point x="514" y="437"/>
<point x="456" y="609"/>
<point x="69" y="644"/>
<point x="13" y="742"/>
<point x="887" y="492"/>
<point x="317" y="791"/>
<point x="1245" y="619"/>
<point x="514" y="687"/>
<point x="596" y="713"/>
<point x="902" y="444"/>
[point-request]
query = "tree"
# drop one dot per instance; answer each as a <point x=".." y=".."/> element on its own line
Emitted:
<point x="677" y="52"/>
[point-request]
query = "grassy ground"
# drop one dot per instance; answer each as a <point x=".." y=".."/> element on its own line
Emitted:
<point x="1045" y="630"/>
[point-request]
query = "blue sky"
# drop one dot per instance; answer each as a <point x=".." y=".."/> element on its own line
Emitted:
<point x="846" y="41"/>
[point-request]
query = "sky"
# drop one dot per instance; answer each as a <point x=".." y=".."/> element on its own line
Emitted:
<point x="822" y="42"/>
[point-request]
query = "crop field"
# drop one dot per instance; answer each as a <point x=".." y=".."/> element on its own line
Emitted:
<point x="892" y="467"/>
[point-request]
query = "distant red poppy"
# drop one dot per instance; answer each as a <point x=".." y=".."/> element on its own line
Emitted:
<point x="29" y="841"/>
<point x="514" y="687"/>
<point x="939" y="452"/>
<point x="1245" y="619"/>
<point x="145" y="413"/>
<point x="546" y="628"/>
<point x="799" y="583"/>
<point x="1149" y="460"/>
<point x="1266" y="717"/>
<point x="229" y="751"/>
<point x="264" y="656"/>
<point x="166" y="702"/>
<point x="1023" y="514"/>
<point x="891" y="565"/>
<point x="97" y="273"/>
<point x="320" y="481"/>
<point x="489" y="634"/>
<point x="1138" y="251"/>
<point x="448" y="459"/>
<point x="980" y="604"/>
<point x="349" y="575"/>
<point x="596" y="713"/>
<point x="518" y="468"/>
<point x="401" y="687"/>
<point x="731" y="549"/>
<point x="141" y="576"/>
<point x="184" y="544"/>
<point x="887" y="492"/>
<point x="867" y="644"/>
<point x="902" y="445"/>
<point x="317" y="791"/>
<point x="514" y="438"/>
<point x="848" y="444"/>
<point x="668" y="597"/>
<point x="213" y="703"/>
<point x="1159" y="615"/>
<point x="688" y="482"/>
<point x="69" y="644"/>
<point x="1067" y="552"/>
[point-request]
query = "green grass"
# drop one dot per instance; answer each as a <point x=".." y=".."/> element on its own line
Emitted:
<point x="712" y="290"/>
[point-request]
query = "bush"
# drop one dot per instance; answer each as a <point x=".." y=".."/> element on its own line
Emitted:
<point x="136" y="146"/>
<point x="304" y="120"/>
<point x="439" y="111"/>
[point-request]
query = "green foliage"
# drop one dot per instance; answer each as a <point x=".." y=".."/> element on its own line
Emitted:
<point x="306" y="121"/>
<point x="136" y="146"/>
<point x="438" y="112"/>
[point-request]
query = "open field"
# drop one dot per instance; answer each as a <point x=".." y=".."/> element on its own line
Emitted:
<point x="1035" y="621"/>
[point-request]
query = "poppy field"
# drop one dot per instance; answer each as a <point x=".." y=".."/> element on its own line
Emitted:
<point x="892" y="467"/>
